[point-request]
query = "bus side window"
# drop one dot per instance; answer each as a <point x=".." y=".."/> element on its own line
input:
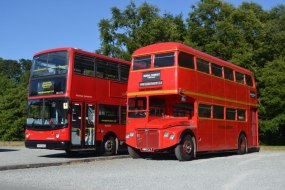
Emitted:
<point x="183" y="110"/>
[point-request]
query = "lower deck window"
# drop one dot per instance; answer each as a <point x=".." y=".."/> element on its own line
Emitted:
<point x="183" y="110"/>
<point x="204" y="111"/>
<point x="230" y="114"/>
<point x="109" y="114"/>
<point x="241" y="115"/>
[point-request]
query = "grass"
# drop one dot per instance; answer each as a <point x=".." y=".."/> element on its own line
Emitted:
<point x="12" y="143"/>
<point x="265" y="147"/>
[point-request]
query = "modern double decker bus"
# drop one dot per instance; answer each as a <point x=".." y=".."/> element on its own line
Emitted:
<point x="77" y="101"/>
<point x="184" y="101"/>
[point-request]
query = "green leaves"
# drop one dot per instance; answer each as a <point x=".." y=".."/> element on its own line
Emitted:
<point x="13" y="98"/>
<point x="136" y="27"/>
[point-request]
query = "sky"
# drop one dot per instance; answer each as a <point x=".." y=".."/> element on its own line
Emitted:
<point x="30" y="26"/>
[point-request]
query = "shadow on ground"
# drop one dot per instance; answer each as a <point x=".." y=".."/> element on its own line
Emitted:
<point x="161" y="157"/>
<point x="76" y="155"/>
<point x="7" y="150"/>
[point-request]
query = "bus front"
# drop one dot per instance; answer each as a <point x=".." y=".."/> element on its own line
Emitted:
<point x="48" y="102"/>
<point x="158" y="112"/>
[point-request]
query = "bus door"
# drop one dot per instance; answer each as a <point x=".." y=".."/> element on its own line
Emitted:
<point x="83" y="125"/>
<point x="253" y="126"/>
<point x="89" y="125"/>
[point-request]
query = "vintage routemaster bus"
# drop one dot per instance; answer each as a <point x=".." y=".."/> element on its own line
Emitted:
<point x="185" y="101"/>
<point x="77" y="101"/>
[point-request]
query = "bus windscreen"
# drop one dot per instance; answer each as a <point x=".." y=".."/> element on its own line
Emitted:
<point x="54" y="63"/>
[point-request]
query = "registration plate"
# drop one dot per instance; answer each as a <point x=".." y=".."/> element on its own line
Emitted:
<point x="41" y="145"/>
<point x="147" y="149"/>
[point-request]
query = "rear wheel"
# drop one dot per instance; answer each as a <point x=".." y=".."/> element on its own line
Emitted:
<point x="242" y="144"/>
<point x="184" y="151"/>
<point x="109" y="146"/>
<point x="134" y="153"/>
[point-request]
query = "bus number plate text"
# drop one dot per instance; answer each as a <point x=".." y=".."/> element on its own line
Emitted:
<point x="41" y="145"/>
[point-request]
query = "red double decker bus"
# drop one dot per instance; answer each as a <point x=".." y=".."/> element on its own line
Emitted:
<point x="185" y="101"/>
<point x="77" y="101"/>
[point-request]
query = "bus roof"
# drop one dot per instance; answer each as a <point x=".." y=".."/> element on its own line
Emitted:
<point x="83" y="52"/>
<point x="175" y="46"/>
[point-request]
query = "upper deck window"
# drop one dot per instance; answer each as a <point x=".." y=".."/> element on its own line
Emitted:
<point x="240" y="78"/>
<point x="228" y="73"/>
<point x="248" y="80"/>
<point x="217" y="70"/>
<point x="183" y="109"/>
<point x="53" y="63"/>
<point x="141" y="62"/>
<point x="186" y="60"/>
<point x="202" y="65"/>
<point x="124" y="72"/>
<point x="164" y="60"/>
<point x="84" y="65"/>
<point x="107" y="70"/>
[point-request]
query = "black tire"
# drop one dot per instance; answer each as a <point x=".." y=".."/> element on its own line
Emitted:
<point x="134" y="153"/>
<point x="109" y="146"/>
<point x="184" y="151"/>
<point x="242" y="144"/>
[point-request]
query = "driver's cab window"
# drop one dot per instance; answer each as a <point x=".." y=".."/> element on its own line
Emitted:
<point x="183" y="110"/>
<point x="156" y="106"/>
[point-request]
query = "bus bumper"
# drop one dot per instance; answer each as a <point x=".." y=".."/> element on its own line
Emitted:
<point x="54" y="145"/>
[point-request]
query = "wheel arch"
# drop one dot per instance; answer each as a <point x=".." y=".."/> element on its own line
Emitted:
<point x="189" y="132"/>
<point x="242" y="133"/>
<point x="110" y="133"/>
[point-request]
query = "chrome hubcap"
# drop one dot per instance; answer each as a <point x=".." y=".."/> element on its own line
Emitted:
<point x="187" y="147"/>
<point x="109" y="145"/>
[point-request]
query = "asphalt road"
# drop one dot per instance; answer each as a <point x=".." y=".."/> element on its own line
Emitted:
<point x="263" y="170"/>
<point x="20" y="157"/>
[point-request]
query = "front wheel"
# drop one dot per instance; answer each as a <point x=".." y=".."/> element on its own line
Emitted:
<point x="184" y="151"/>
<point x="242" y="144"/>
<point x="109" y="146"/>
<point x="134" y="153"/>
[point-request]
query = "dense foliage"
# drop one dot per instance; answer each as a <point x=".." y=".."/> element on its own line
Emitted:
<point x="14" y="77"/>
<point x="247" y="35"/>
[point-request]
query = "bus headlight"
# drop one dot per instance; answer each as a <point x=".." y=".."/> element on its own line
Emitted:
<point x="27" y="135"/>
<point x="166" y="134"/>
<point x="130" y="135"/>
<point x="171" y="137"/>
<point x="127" y="136"/>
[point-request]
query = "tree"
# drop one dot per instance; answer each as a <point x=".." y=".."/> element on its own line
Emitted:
<point x="13" y="101"/>
<point x="207" y="30"/>
<point x="232" y="34"/>
<point x="10" y="69"/>
<point x="272" y="102"/>
<point x="135" y="27"/>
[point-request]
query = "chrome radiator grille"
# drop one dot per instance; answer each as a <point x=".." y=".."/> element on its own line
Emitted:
<point x="147" y="138"/>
